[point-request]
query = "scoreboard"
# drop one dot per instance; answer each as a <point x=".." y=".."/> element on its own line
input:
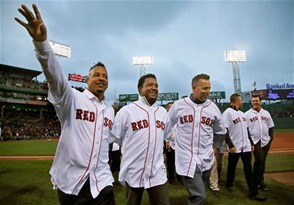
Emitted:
<point x="279" y="94"/>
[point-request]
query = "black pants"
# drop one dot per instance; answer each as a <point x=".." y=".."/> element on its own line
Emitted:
<point x="115" y="161"/>
<point x="158" y="195"/>
<point x="247" y="167"/>
<point x="170" y="163"/>
<point x="260" y="154"/>
<point x="105" y="197"/>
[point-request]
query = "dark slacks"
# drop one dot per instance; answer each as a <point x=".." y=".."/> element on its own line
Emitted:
<point x="260" y="154"/>
<point x="171" y="168"/>
<point x="158" y="195"/>
<point x="247" y="167"/>
<point x="105" y="197"/>
<point x="115" y="160"/>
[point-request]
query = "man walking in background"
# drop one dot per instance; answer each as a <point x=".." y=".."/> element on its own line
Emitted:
<point x="173" y="177"/>
<point x="240" y="145"/>
<point x="218" y="141"/>
<point x="261" y="127"/>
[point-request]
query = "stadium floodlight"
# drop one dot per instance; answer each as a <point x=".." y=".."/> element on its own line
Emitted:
<point x="142" y="61"/>
<point x="60" y="49"/>
<point x="235" y="57"/>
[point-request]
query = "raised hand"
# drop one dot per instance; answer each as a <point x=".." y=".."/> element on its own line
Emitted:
<point x="35" y="25"/>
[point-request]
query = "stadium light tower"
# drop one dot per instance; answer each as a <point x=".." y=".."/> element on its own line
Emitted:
<point x="142" y="61"/>
<point x="60" y="49"/>
<point x="235" y="57"/>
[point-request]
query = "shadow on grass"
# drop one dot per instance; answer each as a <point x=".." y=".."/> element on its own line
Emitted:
<point x="4" y="171"/>
<point x="12" y="198"/>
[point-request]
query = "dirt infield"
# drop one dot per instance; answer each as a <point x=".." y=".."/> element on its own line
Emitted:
<point x="286" y="178"/>
<point x="282" y="143"/>
<point x="26" y="157"/>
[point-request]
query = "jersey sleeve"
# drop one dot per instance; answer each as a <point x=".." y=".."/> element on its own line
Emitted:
<point x="59" y="86"/>
<point x="247" y="114"/>
<point x="219" y="126"/>
<point x="225" y="119"/>
<point x="118" y="130"/>
<point x="271" y="123"/>
<point x="171" y="122"/>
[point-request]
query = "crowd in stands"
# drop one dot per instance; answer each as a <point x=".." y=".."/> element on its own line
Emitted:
<point x="23" y="83"/>
<point x="29" y="125"/>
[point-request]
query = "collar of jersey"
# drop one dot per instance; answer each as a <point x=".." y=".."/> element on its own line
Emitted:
<point x="256" y="110"/>
<point x="92" y="96"/>
<point x="143" y="100"/>
<point x="195" y="101"/>
<point x="233" y="107"/>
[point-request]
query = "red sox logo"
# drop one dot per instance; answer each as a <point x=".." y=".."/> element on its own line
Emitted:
<point x="141" y="124"/>
<point x="90" y="116"/>
<point x="237" y="120"/>
<point x="264" y="118"/>
<point x="256" y="118"/>
<point x="253" y="119"/>
<point x="85" y="115"/>
<point x="186" y="119"/>
<point x="204" y="120"/>
<point x="207" y="121"/>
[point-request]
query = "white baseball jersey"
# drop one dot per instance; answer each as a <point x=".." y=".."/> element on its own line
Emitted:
<point x="195" y="127"/>
<point x="236" y="123"/>
<point x="172" y="138"/>
<point x="259" y="124"/>
<point x="82" y="151"/>
<point x="141" y="129"/>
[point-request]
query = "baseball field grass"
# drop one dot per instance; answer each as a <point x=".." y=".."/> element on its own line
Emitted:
<point x="27" y="182"/>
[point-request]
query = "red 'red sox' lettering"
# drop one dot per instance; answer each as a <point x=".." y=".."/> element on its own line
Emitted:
<point x="85" y="115"/>
<point x="108" y="123"/>
<point x="141" y="124"/>
<point x="235" y="121"/>
<point x="207" y="121"/>
<point x="186" y="119"/>
<point x="253" y="119"/>
<point x="160" y="124"/>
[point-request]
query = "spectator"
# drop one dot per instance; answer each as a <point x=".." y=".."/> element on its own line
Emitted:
<point x="261" y="127"/>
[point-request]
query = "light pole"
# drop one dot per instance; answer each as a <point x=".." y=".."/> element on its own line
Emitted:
<point x="60" y="49"/>
<point x="142" y="61"/>
<point x="235" y="57"/>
